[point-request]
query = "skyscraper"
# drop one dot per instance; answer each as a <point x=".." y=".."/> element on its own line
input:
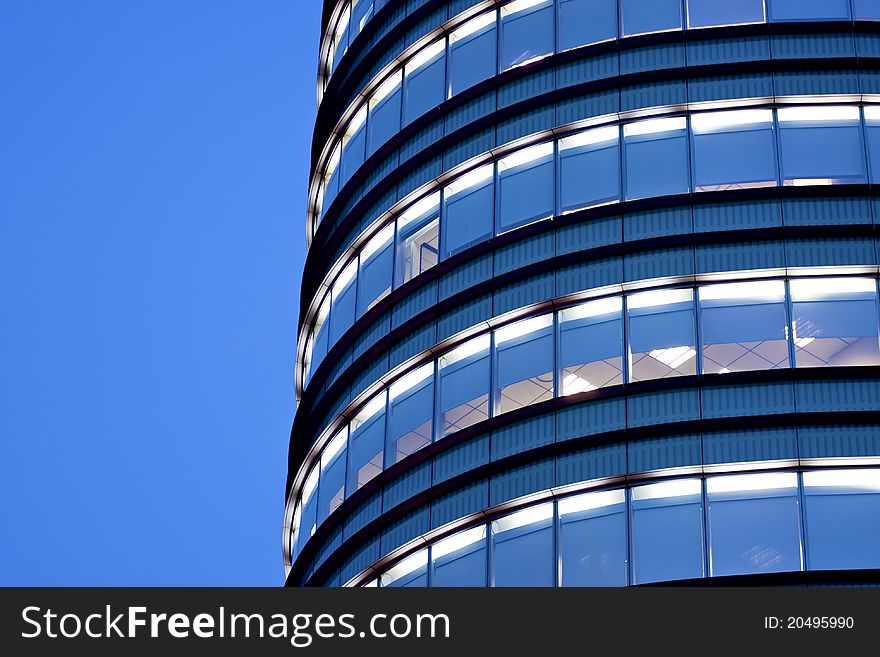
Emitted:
<point x="591" y="296"/>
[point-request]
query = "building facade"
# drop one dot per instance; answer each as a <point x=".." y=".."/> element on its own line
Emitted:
<point x="591" y="295"/>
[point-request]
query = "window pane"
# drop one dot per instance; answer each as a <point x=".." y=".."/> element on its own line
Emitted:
<point x="753" y="524"/>
<point x="743" y="327"/>
<point x="331" y="180"/>
<point x="343" y="306"/>
<point x="307" y="509"/>
<point x="354" y="144"/>
<point x="592" y="539"/>
<point x="842" y="508"/>
<point x="589" y="168"/>
<point x="418" y="238"/>
<point x="734" y="150"/>
<point x="385" y="111"/>
<point x="815" y="10"/>
<point x="835" y="322"/>
<point x="523" y="544"/>
<point x="821" y="145"/>
<point x="866" y="9"/>
<point x="591" y="346"/>
<point x="640" y="16"/>
<point x="661" y="334"/>
<point x="412" y="572"/>
<point x="472" y="51"/>
<point x="331" y="488"/>
<point x="667" y="531"/>
<point x="464" y="385"/>
<point x="656" y="157"/>
<point x="361" y="13"/>
<point x="526" y="31"/>
<point x="320" y="334"/>
<point x="525" y="363"/>
<point x="425" y="81"/>
<point x="583" y="22"/>
<point x="705" y="13"/>
<point x="468" y="213"/>
<point x="377" y="264"/>
<point x="340" y="39"/>
<point x="526" y="182"/>
<point x="872" y="130"/>
<point x="367" y="444"/>
<point x="460" y="560"/>
<point x="412" y="411"/>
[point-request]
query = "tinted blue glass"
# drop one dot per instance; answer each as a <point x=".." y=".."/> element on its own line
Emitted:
<point x="866" y="9"/>
<point x="667" y="539"/>
<point x="662" y="340"/>
<point x="593" y="547"/>
<point x="639" y="16"/>
<point x="872" y="136"/>
<point x="734" y="157"/>
<point x="384" y="120"/>
<point x="375" y="275"/>
<point x="657" y="162"/>
<point x="308" y="520"/>
<point x="463" y="567"/>
<point x="589" y="172"/>
<point x="320" y="346"/>
<point x="340" y="45"/>
<point x="792" y="10"/>
<point x="331" y="189"/>
<point x="526" y="191"/>
<point x="417" y="578"/>
<point x="342" y="311"/>
<point x="464" y="393"/>
<point x="586" y="21"/>
<point x="591" y="349"/>
<point x="353" y="153"/>
<point x="842" y="527"/>
<point x="704" y="13"/>
<point x="331" y="487"/>
<point x="468" y="217"/>
<point x="425" y="88"/>
<point x="821" y="150"/>
<point x="524" y="556"/>
<point x="366" y="451"/>
<point x="526" y="34"/>
<point x="411" y="425"/>
<point x="418" y="244"/>
<point x="525" y="365"/>
<point x="361" y="13"/>
<point x="472" y="59"/>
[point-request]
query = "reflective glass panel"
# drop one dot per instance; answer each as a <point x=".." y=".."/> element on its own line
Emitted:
<point x="361" y="13"/>
<point x="835" y="322"/>
<point x="866" y="9"/>
<point x="307" y="520"/>
<point x="821" y="145"/>
<point x="320" y="332"/>
<point x="661" y="340"/>
<point x="331" y="487"/>
<point x="367" y="443"/>
<point x="592" y="539"/>
<point x="525" y="179"/>
<point x="342" y="311"/>
<point x="354" y="145"/>
<point x="523" y="547"/>
<point x="377" y="265"/>
<point x="468" y="210"/>
<point x="331" y="179"/>
<point x="589" y="168"/>
<point x="472" y="52"/>
<point x="591" y="346"/>
<point x="412" y="572"/>
<point x="656" y="157"/>
<point x="582" y="22"/>
<point x="706" y="13"/>
<point x="460" y="560"/>
<point x="412" y="411"/>
<point x="525" y="363"/>
<point x="640" y="16"/>
<point x="418" y="238"/>
<point x="808" y="10"/>
<point x="872" y="136"/>
<point x="340" y="39"/>
<point x="425" y="85"/>
<point x="464" y="385"/>
<point x="526" y="32"/>
<point x="385" y="107"/>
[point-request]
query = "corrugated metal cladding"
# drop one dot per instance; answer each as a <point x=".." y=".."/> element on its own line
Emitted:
<point x="629" y="220"/>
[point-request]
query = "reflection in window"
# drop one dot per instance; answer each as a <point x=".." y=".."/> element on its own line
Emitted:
<point x="667" y="531"/>
<point x="526" y="32"/>
<point x="661" y="327"/>
<point x="523" y="543"/>
<point x="354" y="145"/>
<point x="425" y="81"/>
<point x="460" y="560"/>
<point x="753" y="524"/>
<point x="306" y="520"/>
<point x="734" y="149"/>
<point x="582" y="22"/>
<point x="472" y="52"/>
<point x="641" y="16"/>
<point x="525" y="179"/>
<point x="385" y="111"/>
<point x="342" y="311"/>
<point x="340" y="39"/>
<point x="331" y="490"/>
<point x="418" y="239"/>
<point x="841" y="508"/>
<point x="525" y="363"/>
<point x="361" y="13"/>
<point x="743" y="327"/>
<point x="872" y="137"/>
<point x="835" y="322"/>
<point x="412" y="572"/>
<point x="592" y="539"/>
<point x="464" y="385"/>
<point x="821" y="145"/>
<point x="708" y="13"/>
<point x="377" y="263"/>
<point x="809" y="10"/>
<point x="866" y="9"/>
<point x="656" y="157"/>
<point x="320" y="333"/>
<point x="330" y="184"/>
<point x="411" y="413"/>
<point x="589" y="168"/>
<point x="367" y="443"/>
<point x="469" y="203"/>
<point x="591" y="346"/>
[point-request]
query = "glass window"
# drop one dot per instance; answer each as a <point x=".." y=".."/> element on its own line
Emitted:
<point x="343" y="306"/>
<point x="656" y="157"/>
<point x="734" y="150"/>
<point x="640" y="16"/>
<point x="385" y="111"/>
<point x="418" y="238"/>
<point x="331" y="181"/>
<point x="866" y="9"/>
<point x="523" y="544"/>
<point x="411" y="413"/>
<point x="661" y="338"/>
<point x="377" y="269"/>
<point x="707" y="13"/>
<point x="460" y="560"/>
<point x="425" y="85"/>
<point x="354" y="143"/>
<point x="835" y="322"/>
<point x="589" y="168"/>
<point x="821" y="145"/>
<point x="591" y="346"/>
<point x="468" y="210"/>
<point x="753" y="524"/>
<point x="525" y="363"/>
<point x="592" y="539"/>
<point x="472" y="52"/>
<point x="340" y="39"/>
<point x="526" y="32"/>
<point x="743" y="327"/>
<point x="808" y="10"/>
<point x="525" y="179"/>
<point x="307" y="510"/>
<point x="872" y="130"/>
<point x="582" y="22"/>
<point x="841" y="509"/>
<point x="412" y="572"/>
<point x="667" y="531"/>
<point x="367" y="444"/>
<point x="361" y="13"/>
<point x="464" y="385"/>
<point x="320" y="332"/>
<point x="331" y="490"/>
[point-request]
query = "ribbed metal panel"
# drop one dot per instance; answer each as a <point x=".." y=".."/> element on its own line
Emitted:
<point x="587" y="106"/>
<point x="477" y="108"/>
<point x="369" y="375"/>
<point x="590" y="418"/>
<point x="513" y="256"/>
<point x="869" y="81"/>
<point x="463" y="502"/>
<point x="362" y="559"/>
<point x="867" y="45"/>
<point x="522" y="436"/>
<point x="837" y="395"/>
<point x="665" y="406"/>
<point x="670" y="55"/>
<point x="419" y="301"/>
<point x="588" y="70"/>
<point x="372" y="335"/>
<point x="525" y="124"/>
<point x="747" y="400"/>
<point x="737" y="216"/>
<point x="329" y="547"/>
<point x="756" y="85"/>
<point x="412" y="344"/>
<point x="468" y="314"/>
<point x="387" y="55"/>
<point x="427" y="24"/>
<point x="667" y="452"/>
<point x="458" y="6"/>
<point x="839" y="441"/>
<point x="517" y="295"/>
<point x="653" y="94"/>
<point x="797" y="46"/>
<point x="468" y="148"/>
<point x="824" y="211"/>
<point x="732" y="257"/>
<point x="657" y="223"/>
<point x="471" y="273"/>
<point x="589" y="235"/>
<point x="422" y="140"/>
<point x="404" y="530"/>
<point x="339" y="368"/>
<point x="825" y="252"/>
<point x="749" y="445"/>
<point x="654" y="264"/>
<point x="410" y="483"/>
<point x="461" y="458"/>
<point x="587" y="275"/>
<point x="591" y="463"/>
<point x="526" y="87"/>
<point x="525" y="479"/>
<point x="802" y="83"/>
<point x="717" y="51"/>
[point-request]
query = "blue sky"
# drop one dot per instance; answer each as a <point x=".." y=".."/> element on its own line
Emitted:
<point x="153" y="170"/>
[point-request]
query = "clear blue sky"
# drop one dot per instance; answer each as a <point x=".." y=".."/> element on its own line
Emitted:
<point x="153" y="170"/>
